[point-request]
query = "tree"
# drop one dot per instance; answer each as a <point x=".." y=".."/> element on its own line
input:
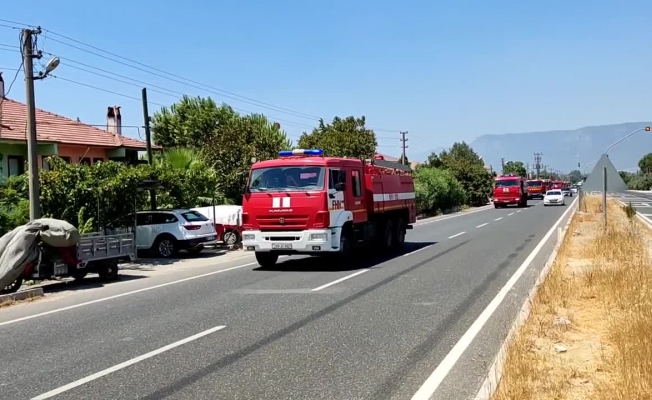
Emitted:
<point x="228" y="141"/>
<point x="346" y="137"/>
<point x="515" y="167"/>
<point x="468" y="168"/>
<point x="575" y="176"/>
<point x="645" y="164"/>
<point x="434" y="161"/>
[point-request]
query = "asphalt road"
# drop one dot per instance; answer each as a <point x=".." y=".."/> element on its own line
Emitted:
<point x="368" y="329"/>
<point x="641" y="201"/>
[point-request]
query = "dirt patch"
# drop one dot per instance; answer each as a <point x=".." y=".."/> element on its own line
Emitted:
<point x="589" y="333"/>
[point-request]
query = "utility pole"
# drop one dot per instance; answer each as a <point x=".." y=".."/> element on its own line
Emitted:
<point x="537" y="163"/>
<point x="148" y="139"/>
<point x="404" y="146"/>
<point x="32" y="140"/>
<point x="502" y="163"/>
<point x="527" y="170"/>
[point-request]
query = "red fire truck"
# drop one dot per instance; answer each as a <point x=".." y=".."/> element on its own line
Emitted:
<point x="305" y="203"/>
<point x="510" y="189"/>
<point x="536" y="188"/>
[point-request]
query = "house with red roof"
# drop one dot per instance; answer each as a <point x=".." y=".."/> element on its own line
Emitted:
<point x="69" y="139"/>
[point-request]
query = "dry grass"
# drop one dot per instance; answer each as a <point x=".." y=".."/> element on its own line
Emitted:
<point x="589" y="334"/>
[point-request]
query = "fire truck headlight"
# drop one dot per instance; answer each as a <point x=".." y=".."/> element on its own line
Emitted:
<point x="318" y="237"/>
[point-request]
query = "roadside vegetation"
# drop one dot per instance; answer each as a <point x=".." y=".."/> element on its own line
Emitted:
<point x="589" y="331"/>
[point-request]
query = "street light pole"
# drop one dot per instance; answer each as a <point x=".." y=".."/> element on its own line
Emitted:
<point x="647" y="128"/>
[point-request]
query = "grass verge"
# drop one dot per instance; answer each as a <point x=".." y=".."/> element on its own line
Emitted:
<point x="589" y="333"/>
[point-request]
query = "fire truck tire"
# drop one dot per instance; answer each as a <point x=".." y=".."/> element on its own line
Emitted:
<point x="389" y="235"/>
<point x="346" y="241"/>
<point x="266" y="260"/>
<point x="401" y="231"/>
<point x="13" y="286"/>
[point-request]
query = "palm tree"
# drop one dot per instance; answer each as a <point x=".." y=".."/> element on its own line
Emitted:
<point x="180" y="158"/>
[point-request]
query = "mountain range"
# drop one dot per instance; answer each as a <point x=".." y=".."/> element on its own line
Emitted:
<point x="564" y="149"/>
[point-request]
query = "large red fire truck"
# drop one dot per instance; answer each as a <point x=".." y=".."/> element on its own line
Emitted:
<point x="536" y="188"/>
<point x="510" y="189"/>
<point x="305" y="203"/>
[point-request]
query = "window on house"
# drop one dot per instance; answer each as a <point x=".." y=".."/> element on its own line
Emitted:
<point x="85" y="160"/>
<point x="66" y="159"/>
<point x="45" y="162"/>
<point x="357" y="183"/>
<point x="16" y="165"/>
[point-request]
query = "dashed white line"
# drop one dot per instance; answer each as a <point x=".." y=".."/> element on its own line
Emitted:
<point x="335" y="282"/>
<point x="519" y="211"/>
<point x="481" y="225"/>
<point x="510" y="214"/>
<point x="498" y="219"/>
<point x="456" y="235"/>
<point x="125" y="364"/>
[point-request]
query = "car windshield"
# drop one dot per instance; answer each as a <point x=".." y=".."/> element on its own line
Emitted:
<point x="554" y="193"/>
<point x="507" y="183"/>
<point x="286" y="179"/>
<point x="535" y="183"/>
<point x="193" y="216"/>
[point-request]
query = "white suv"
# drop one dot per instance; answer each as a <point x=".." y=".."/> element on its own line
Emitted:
<point x="165" y="232"/>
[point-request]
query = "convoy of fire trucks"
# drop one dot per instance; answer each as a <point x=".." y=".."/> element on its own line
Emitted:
<point x="306" y="203"/>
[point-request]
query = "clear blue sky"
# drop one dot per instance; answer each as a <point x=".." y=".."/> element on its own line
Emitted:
<point x="443" y="70"/>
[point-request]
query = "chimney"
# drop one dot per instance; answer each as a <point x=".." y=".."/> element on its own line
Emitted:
<point x="114" y="120"/>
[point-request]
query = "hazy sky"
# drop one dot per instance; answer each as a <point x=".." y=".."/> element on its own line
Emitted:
<point x="442" y="70"/>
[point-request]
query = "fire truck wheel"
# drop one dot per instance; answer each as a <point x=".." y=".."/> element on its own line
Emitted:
<point x="266" y="259"/>
<point x="399" y="239"/>
<point x="388" y="236"/>
<point x="346" y="241"/>
<point x="13" y="286"/>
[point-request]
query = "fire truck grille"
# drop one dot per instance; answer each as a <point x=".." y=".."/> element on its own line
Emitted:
<point x="282" y="223"/>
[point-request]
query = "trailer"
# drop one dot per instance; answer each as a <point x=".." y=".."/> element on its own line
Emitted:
<point x="305" y="203"/>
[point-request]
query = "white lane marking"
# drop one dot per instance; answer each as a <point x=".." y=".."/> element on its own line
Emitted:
<point x="335" y="282"/>
<point x="416" y="251"/>
<point x="481" y="225"/>
<point x="435" y="379"/>
<point x="498" y="219"/>
<point x="519" y="211"/>
<point x="456" y="235"/>
<point x="13" y="321"/>
<point x="510" y="214"/>
<point x="125" y="364"/>
<point x="458" y="214"/>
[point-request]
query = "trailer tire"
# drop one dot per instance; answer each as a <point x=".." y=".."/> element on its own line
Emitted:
<point x="108" y="271"/>
<point x="80" y="274"/>
<point x="401" y="231"/>
<point x="13" y="286"/>
<point x="266" y="259"/>
<point x="230" y="237"/>
<point x="388" y="235"/>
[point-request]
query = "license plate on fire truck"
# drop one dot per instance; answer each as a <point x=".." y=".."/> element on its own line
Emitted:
<point x="282" y="246"/>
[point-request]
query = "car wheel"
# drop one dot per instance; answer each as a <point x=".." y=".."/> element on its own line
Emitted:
<point x="166" y="247"/>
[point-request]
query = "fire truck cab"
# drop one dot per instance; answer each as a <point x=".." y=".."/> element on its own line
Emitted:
<point x="305" y="203"/>
<point x="536" y="188"/>
<point x="510" y="189"/>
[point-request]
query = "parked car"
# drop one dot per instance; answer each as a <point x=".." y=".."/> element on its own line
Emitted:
<point x="554" y="198"/>
<point x="166" y="232"/>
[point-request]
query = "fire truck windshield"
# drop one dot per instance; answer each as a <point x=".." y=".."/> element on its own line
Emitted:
<point x="507" y="183"/>
<point x="286" y="179"/>
<point x="534" y="183"/>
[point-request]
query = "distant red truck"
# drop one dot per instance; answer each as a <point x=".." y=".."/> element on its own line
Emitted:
<point x="510" y="189"/>
<point x="536" y="188"/>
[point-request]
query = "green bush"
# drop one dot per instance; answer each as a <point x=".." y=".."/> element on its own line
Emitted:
<point x="643" y="182"/>
<point x="437" y="190"/>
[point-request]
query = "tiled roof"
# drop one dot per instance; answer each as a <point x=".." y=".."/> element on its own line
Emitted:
<point x="54" y="128"/>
